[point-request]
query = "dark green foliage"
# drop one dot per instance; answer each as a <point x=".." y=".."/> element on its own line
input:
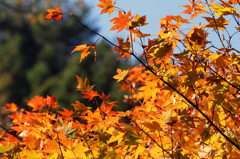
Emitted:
<point x="36" y="59"/>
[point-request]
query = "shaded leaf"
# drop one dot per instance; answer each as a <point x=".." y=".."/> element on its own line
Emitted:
<point x="125" y="48"/>
<point x="138" y="21"/>
<point x="83" y="85"/>
<point x="219" y="23"/>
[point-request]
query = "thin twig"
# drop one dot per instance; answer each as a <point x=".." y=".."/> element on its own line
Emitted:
<point x="193" y="51"/>
<point x="161" y="142"/>
<point x="151" y="138"/>
<point x="216" y="30"/>
<point x="172" y="140"/>
<point x="87" y="143"/>
<point x="18" y="137"/>
<point x="59" y="145"/>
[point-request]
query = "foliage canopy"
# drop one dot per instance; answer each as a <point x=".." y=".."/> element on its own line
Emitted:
<point x="185" y="104"/>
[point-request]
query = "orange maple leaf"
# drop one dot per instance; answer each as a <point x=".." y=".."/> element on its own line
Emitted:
<point x="165" y="22"/>
<point x="121" y="74"/>
<point x="66" y="114"/>
<point x="188" y="10"/>
<point x="11" y="107"/>
<point x="51" y="101"/>
<point x="194" y="7"/>
<point x="108" y="109"/>
<point x="122" y="21"/>
<point x="38" y="102"/>
<point x="93" y="119"/>
<point x="54" y="14"/>
<point x="106" y="99"/>
<point x="84" y="49"/>
<point x="124" y="46"/>
<point x="90" y="94"/>
<point x="233" y="1"/>
<point x="83" y="86"/>
<point x="107" y="6"/>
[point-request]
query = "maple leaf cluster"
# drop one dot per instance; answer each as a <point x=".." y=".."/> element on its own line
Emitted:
<point x="185" y="95"/>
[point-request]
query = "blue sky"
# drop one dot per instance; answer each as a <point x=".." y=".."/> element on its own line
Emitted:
<point x="154" y="10"/>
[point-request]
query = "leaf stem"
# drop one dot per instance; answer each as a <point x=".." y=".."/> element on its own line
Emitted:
<point x="151" y="138"/>
<point x="59" y="145"/>
<point x="87" y="143"/>
<point x="120" y="9"/>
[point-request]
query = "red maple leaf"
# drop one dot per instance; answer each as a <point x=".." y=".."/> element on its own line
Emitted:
<point x="90" y="94"/>
<point x="122" y="21"/>
<point x="106" y="99"/>
<point x="37" y="103"/>
<point x="54" y="14"/>
<point x="51" y="101"/>
<point x="66" y="114"/>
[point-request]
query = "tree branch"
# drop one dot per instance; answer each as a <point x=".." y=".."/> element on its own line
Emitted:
<point x="168" y="84"/>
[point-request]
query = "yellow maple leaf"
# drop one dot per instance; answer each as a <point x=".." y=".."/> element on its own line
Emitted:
<point x="121" y="74"/>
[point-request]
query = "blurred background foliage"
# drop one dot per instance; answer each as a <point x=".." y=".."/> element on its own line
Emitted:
<point x="35" y="54"/>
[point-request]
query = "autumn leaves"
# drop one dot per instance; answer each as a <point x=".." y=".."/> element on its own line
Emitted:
<point x="185" y="104"/>
<point x="123" y="21"/>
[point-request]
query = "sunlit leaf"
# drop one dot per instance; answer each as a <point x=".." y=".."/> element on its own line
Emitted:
<point x="121" y="74"/>
<point x="107" y="6"/>
<point x="121" y="22"/>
